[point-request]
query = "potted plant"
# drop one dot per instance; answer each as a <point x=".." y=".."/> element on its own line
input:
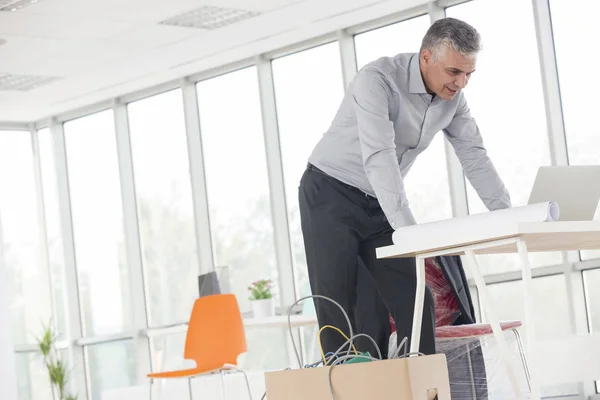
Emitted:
<point x="57" y="368"/>
<point x="263" y="304"/>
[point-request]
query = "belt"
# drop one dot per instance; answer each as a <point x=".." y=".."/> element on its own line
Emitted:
<point x="311" y="167"/>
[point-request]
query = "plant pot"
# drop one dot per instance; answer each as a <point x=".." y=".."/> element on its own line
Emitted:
<point x="263" y="308"/>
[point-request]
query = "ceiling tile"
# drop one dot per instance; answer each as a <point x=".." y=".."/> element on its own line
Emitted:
<point x="31" y="25"/>
<point x="18" y="54"/>
<point x="153" y="36"/>
<point x="73" y="8"/>
<point x="252" y="5"/>
<point x="137" y="11"/>
<point x="90" y="56"/>
<point x="90" y="28"/>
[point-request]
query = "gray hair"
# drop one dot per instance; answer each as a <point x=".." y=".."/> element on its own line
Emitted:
<point x="454" y="33"/>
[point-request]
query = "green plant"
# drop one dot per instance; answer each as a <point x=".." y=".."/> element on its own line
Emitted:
<point x="57" y="369"/>
<point x="261" y="289"/>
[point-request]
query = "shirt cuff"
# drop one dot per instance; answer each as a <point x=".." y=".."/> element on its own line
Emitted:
<point x="403" y="217"/>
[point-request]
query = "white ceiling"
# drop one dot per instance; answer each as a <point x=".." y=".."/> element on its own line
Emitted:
<point x="107" y="48"/>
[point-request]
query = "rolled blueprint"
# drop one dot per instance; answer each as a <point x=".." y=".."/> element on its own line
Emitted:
<point x="500" y="219"/>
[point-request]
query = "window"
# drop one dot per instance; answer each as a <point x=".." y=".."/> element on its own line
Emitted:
<point x="165" y="206"/>
<point x="427" y="185"/>
<point x="53" y="230"/>
<point x="308" y="90"/>
<point x="401" y="37"/>
<point x="579" y="106"/>
<point x="237" y="179"/>
<point x="507" y="102"/>
<point x="592" y="282"/>
<point x="98" y="224"/>
<point x="32" y="376"/>
<point x="111" y="365"/>
<point x="238" y="198"/>
<point x="550" y="313"/>
<point x="28" y="286"/>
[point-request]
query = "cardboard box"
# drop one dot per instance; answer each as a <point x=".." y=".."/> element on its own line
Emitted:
<point x="413" y="378"/>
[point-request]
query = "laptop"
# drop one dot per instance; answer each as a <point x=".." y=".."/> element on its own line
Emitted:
<point x="575" y="188"/>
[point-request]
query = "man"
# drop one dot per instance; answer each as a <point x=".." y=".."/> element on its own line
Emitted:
<point x="352" y="195"/>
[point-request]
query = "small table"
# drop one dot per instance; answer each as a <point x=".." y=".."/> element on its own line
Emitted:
<point x="518" y="238"/>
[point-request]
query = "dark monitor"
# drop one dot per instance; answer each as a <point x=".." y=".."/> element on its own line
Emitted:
<point x="208" y="284"/>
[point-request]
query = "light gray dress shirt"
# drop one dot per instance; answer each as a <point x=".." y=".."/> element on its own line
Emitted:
<point x="385" y="121"/>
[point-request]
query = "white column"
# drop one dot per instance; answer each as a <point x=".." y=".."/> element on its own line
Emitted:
<point x="8" y="375"/>
<point x="132" y="240"/>
<point x="283" y="249"/>
<point x="78" y="382"/>
<point x="198" y="177"/>
<point x="348" y="56"/>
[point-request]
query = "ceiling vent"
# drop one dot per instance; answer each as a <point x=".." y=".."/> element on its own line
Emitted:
<point x="23" y="83"/>
<point x="209" y="17"/>
<point x="16" y="5"/>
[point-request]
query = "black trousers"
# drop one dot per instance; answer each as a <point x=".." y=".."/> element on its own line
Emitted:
<point x="342" y="227"/>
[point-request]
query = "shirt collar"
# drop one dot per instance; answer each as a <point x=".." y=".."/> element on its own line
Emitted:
<point x="415" y="80"/>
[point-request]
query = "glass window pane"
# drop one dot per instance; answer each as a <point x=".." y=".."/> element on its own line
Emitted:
<point x="32" y="377"/>
<point x="53" y="230"/>
<point x="266" y="351"/>
<point x="427" y="185"/>
<point x="551" y="310"/>
<point x="578" y="103"/>
<point x="590" y="254"/>
<point x="401" y="37"/>
<point x="576" y="89"/>
<point x="308" y="88"/>
<point x="29" y="286"/>
<point x="167" y="353"/>
<point x="98" y="223"/>
<point x="513" y="127"/>
<point x="165" y="206"/>
<point x="237" y="179"/>
<point x="592" y="283"/>
<point x="240" y="211"/>
<point x="110" y="366"/>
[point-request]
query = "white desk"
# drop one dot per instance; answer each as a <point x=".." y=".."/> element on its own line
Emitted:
<point x="276" y="321"/>
<point x="518" y="238"/>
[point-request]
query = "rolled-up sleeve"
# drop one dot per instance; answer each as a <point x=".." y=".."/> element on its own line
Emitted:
<point x="463" y="133"/>
<point x="372" y="95"/>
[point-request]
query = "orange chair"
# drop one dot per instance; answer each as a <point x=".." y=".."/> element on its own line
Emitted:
<point x="214" y="340"/>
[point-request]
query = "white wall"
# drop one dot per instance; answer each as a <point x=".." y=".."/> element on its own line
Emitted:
<point x="8" y="377"/>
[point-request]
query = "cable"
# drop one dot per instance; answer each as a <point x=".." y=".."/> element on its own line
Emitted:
<point x="290" y="322"/>
<point x="404" y="343"/>
<point x="352" y="338"/>
<point x="341" y="333"/>
<point x="339" y="360"/>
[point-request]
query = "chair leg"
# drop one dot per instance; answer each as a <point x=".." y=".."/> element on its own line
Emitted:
<point x="151" y="387"/>
<point x="223" y="385"/>
<point x="190" y="388"/>
<point x="473" y="391"/>
<point x="523" y="358"/>
<point x="247" y="383"/>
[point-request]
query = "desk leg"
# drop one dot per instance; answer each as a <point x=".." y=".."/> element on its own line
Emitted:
<point x="529" y="328"/>
<point x="415" y="340"/>
<point x="486" y="301"/>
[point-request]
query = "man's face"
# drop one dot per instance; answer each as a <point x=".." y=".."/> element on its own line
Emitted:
<point x="447" y="73"/>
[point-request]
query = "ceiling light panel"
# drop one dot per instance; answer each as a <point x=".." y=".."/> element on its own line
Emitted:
<point x="209" y="17"/>
<point x="16" y="5"/>
<point x="23" y="83"/>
